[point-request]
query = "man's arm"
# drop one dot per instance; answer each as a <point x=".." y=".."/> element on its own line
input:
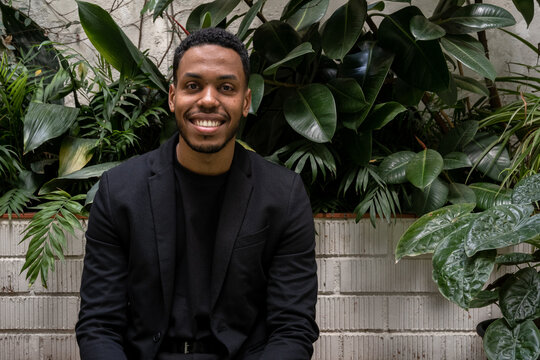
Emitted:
<point x="102" y="318"/>
<point x="292" y="284"/>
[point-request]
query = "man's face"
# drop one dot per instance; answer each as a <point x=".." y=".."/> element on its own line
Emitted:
<point x="209" y="97"/>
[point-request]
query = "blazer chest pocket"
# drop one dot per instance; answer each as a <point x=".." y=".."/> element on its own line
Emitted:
<point x="257" y="238"/>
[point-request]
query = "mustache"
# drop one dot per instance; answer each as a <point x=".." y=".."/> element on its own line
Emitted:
<point x="214" y="115"/>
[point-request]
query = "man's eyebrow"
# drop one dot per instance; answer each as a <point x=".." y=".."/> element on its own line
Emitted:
<point x="221" y="77"/>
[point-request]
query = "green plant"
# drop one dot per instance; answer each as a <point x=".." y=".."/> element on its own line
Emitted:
<point x="467" y="247"/>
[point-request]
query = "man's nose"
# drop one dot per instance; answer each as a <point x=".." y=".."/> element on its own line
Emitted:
<point x="209" y="98"/>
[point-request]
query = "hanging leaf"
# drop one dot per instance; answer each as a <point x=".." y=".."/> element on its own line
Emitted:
<point x="433" y="197"/>
<point x="393" y="168"/>
<point x="470" y="84"/>
<point x="382" y="114"/>
<point x="458" y="137"/>
<point x="295" y="54"/>
<point x="424" y="167"/>
<point x="502" y="226"/>
<point x="311" y="112"/>
<point x="419" y="63"/>
<point x="45" y="122"/>
<point x="504" y="342"/>
<point x="427" y="232"/>
<point x="460" y="47"/>
<point x="460" y="194"/>
<point x="307" y="15"/>
<point x="256" y="84"/>
<point x="248" y="19"/>
<point x="348" y="95"/>
<point x="526" y="8"/>
<point x="490" y="195"/>
<point x="456" y="160"/>
<point x="75" y="153"/>
<point x="292" y="7"/>
<point x="423" y="29"/>
<point x="274" y="40"/>
<point x="156" y="7"/>
<point x="217" y="10"/>
<point x="527" y="190"/>
<point x="520" y="296"/>
<point x="342" y="29"/>
<point x="477" y="17"/>
<point x="484" y="298"/>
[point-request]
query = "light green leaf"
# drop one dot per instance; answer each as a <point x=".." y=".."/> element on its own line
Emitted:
<point x="461" y="48"/>
<point x="527" y="190"/>
<point x="490" y="195"/>
<point x="477" y="17"/>
<point x="348" y="95"/>
<point x="307" y="15"/>
<point x="460" y="193"/>
<point x="311" y="112"/>
<point x="297" y="52"/>
<point x="504" y="342"/>
<point x="393" y="167"/>
<point x="75" y="153"/>
<point x="45" y="122"/>
<point x="456" y="160"/>
<point x="423" y="29"/>
<point x="424" y="167"/>
<point x="256" y="84"/>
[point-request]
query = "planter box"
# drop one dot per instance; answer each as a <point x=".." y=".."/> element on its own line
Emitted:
<point x="369" y="307"/>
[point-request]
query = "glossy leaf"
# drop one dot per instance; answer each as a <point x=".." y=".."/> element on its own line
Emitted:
<point x="91" y="194"/>
<point x="460" y="194"/>
<point x="292" y="7"/>
<point x="424" y="167"/>
<point x="308" y="14"/>
<point x="489" y="195"/>
<point x="517" y="258"/>
<point x="456" y="160"/>
<point x="45" y="122"/>
<point x="256" y="84"/>
<point x="419" y="63"/>
<point x="342" y="29"/>
<point x="392" y="168"/>
<point x="432" y="197"/>
<point x="248" y="19"/>
<point x="477" y="17"/>
<point x="470" y="84"/>
<point x="156" y="7"/>
<point x="74" y="154"/>
<point x="488" y="156"/>
<point x="458" y="137"/>
<point x="217" y="10"/>
<point x="502" y="226"/>
<point x="427" y="232"/>
<point x="382" y="114"/>
<point x="423" y="29"/>
<point x="527" y="190"/>
<point x="504" y="342"/>
<point x="484" y="298"/>
<point x="459" y="277"/>
<point x="297" y="52"/>
<point x="348" y="95"/>
<point x="275" y="40"/>
<point x="311" y="112"/>
<point x="526" y="8"/>
<point x="446" y="7"/>
<point x="114" y="45"/>
<point x="461" y="48"/>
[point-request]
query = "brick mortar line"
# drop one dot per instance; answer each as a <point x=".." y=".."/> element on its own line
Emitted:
<point x="398" y="332"/>
<point x="23" y="257"/>
<point x="352" y="256"/>
<point x="39" y="295"/>
<point x="47" y="332"/>
<point x="419" y="293"/>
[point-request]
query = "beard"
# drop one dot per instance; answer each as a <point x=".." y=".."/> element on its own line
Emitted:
<point x="207" y="148"/>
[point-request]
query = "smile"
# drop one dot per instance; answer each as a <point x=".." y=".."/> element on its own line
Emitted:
<point x="207" y="123"/>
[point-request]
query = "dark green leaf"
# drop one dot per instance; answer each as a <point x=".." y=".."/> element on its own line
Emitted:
<point x="488" y="155"/>
<point x="292" y="7"/>
<point x="462" y="49"/>
<point x="91" y="194"/>
<point x="392" y="168"/>
<point x="348" y="95"/>
<point x="456" y="160"/>
<point x="490" y="195"/>
<point x="527" y="190"/>
<point x="256" y="84"/>
<point x="433" y="197"/>
<point x="423" y="29"/>
<point x="424" y="168"/>
<point x="504" y="342"/>
<point x="91" y="171"/>
<point x="460" y="193"/>
<point x="381" y="115"/>
<point x="342" y="29"/>
<point x="526" y="8"/>
<point x="477" y="17"/>
<point x="274" y="40"/>
<point x="517" y="258"/>
<point x="377" y="6"/>
<point x="311" y="112"/>
<point x="358" y="146"/>
<point x="248" y="19"/>
<point x="217" y="12"/>
<point x="470" y="84"/>
<point x="297" y="52"/>
<point x="406" y="94"/>
<point x="458" y="137"/>
<point x="307" y="15"/>
<point x="484" y="298"/>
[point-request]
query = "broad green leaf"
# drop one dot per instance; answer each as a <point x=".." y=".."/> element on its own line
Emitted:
<point x="406" y="94"/>
<point x="459" y="277"/>
<point x="423" y="29"/>
<point x="369" y="67"/>
<point x="527" y="190"/>
<point x="502" y="226"/>
<point x="392" y="168"/>
<point x="419" y="63"/>
<point x="426" y="233"/>
<point x="91" y="194"/>
<point x="449" y="95"/>
<point x="256" y="84"/>
<point x="292" y="7"/>
<point x="74" y="154"/>
<point x="248" y="19"/>
<point x="274" y="40"/>
<point x="381" y="115"/>
<point x="424" y="167"/>
<point x="342" y="29"/>
<point x="517" y="258"/>
<point x="114" y="45"/>
<point x="45" y="122"/>
<point x="470" y="84"/>
<point x="458" y="137"/>
<point x="432" y="197"/>
<point x="484" y="298"/>
<point x="217" y="10"/>
<point x="295" y="54"/>
<point x="488" y="155"/>
<point x="461" y="48"/>
<point x="526" y="8"/>
<point x="477" y="17"/>
<point x="456" y="160"/>
<point x="311" y="112"/>
<point x="460" y="193"/>
<point x="307" y="15"/>
<point x="490" y="195"/>
<point x="446" y="7"/>
<point x="504" y="342"/>
<point x="348" y="95"/>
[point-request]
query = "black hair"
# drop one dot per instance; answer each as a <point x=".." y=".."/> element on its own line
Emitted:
<point x="212" y="36"/>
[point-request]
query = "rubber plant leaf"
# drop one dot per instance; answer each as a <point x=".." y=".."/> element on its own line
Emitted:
<point x="502" y="341"/>
<point x="432" y="197"/>
<point x="248" y="19"/>
<point x="489" y="157"/>
<point x="470" y="84"/>
<point x="458" y="137"/>
<point x="424" y="167"/>
<point x="308" y="14"/>
<point x="423" y="29"/>
<point x="274" y="40"/>
<point x="464" y="48"/>
<point x="392" y="168"/>
<point x="456" y="160"/>
<point x="256" y="84"/>
<point x="291" y="59"/>
<point x="217" y="10"/>
<point x="381" y="115"/>
<point x="348" y="95"/>
<point x="477" y="17"/>
<point x="460" y="193"/>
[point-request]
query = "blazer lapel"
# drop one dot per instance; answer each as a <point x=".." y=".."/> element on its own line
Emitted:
<point x="235" y="202"/>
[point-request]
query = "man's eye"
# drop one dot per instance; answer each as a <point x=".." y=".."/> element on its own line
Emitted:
<point x="192" y="86"/>
<point x="227" y="87"/>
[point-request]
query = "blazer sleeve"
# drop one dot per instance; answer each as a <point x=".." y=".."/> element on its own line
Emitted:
<point x="292" y="284"/>
<point x="102" y="317"/>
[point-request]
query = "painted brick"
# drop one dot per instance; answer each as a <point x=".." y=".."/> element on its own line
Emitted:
<point x="352" y="312"/>
<point x="432" y="312"/>
<point x="393" y="346"/>
<point x="383" y="275"/>
<point x="58" y="347"/>
<point x="328" y="275"/>
<point x="19" y="347"/>
<point x="328" y="347"/>
<point x="464" y="347"/>
<point x="38" y="312"/>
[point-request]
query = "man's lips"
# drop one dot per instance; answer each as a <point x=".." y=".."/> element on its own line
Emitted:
<point x="206" y="121"/>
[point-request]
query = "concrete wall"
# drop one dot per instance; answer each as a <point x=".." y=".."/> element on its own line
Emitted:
<point x="369" y="308"/>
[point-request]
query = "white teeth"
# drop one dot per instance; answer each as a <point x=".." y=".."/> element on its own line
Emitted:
<point x="207" y="123"/>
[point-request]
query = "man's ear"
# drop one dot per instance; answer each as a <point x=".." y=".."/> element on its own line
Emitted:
<point x="172" y="93"/>
<point x="247" y="102"/>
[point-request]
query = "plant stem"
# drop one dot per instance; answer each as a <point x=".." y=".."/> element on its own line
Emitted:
<point x="259" y="14"/>
<point x="438" y="118"/>
<point x="372" y="25"/>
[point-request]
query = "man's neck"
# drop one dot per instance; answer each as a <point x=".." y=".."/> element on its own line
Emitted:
<point x="205" y="164"/>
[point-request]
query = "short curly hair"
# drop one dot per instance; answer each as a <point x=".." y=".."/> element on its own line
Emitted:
<point x="211" y="36"/>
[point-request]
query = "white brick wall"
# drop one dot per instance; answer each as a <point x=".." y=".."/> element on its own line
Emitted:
<point x="369" y="307"/>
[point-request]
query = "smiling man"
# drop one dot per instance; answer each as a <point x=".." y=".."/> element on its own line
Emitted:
<point x="200" y="249"/>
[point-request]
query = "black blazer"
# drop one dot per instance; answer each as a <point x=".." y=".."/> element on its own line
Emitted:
<point x="264" y="282"/>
